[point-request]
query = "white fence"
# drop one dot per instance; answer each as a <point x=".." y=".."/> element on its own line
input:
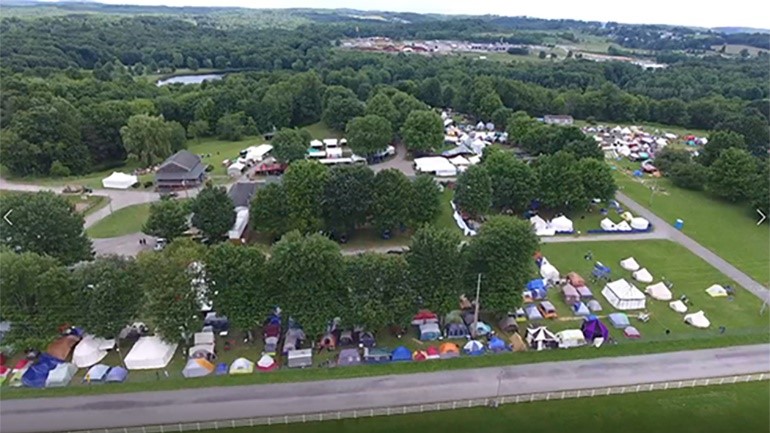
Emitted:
<point x="419" y="408"/>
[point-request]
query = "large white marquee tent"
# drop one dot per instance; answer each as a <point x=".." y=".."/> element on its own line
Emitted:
<point x="623" y="295"/>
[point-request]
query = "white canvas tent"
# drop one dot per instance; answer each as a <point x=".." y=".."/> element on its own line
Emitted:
<point x="317" y="144"/>
<point x="538" y="338"/>
<point x="257" y="153"/>
<point x="90" y="350"/>
<point x="623" y="295"/>
<point x="697" y="320"/>
<point x="118" y="180"/>
<point x="541" y="226"/>
<point x="61" y="375"/>
<point x="235" y="169"/>
<point x="202" y="341"/>
<point x="643" y="276"/>
<point x="658" y="291"/>
<point x="460" y="161"/>
<point x="630" y="264"/>
<point x="623" y="227"/>
<point x="562" y="224"/>
<point x="241" y="221"/>
<point x="436" y="165"/>
<point x="149" y="353"/>
<point x="716" y="291"/>
<point x="570" y="338"/>
<point x="639" y="223"/>
<point x="548" y="271"/>
<point x="678" y="306"/>
<point x="241" y="366"/>
<point x="607" y="225"/>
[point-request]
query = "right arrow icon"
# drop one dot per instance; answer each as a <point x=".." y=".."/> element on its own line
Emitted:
<point x="764" y="217"/>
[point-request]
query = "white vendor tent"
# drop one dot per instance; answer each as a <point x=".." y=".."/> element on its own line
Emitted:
<point x="607" y="225"/>
<point x="119" y="180"/>
<point x="334" y="152"/>
<point x="678" y="306"/>
<point x="436" y="165"/>
<point x="623" y="227"/>
<point x="460" y="161"/>
<point x="317" y="144"/>
<point x="697" y="320"/>
<point x="149" y="353"/>
<point x="659" y="291"/>
<point x="236" y="169"/>
<point x="570" y="338"/>
<point x="623" y="295"/>
<point x="639" y="223"/>
<point x="541" y="226"/>
<point x="202" y="341"/>
<point x="90" y="350"/>
<point x="629" y="264"/>
<point x="548" y="271"/>
<point x="257" y="153"/>
<point x="562" y="224"/>
<point x="716" y="291"/>
<point x="331" y="142"/>
<point x="241" y="221"/>
<point x="643" y="276"/>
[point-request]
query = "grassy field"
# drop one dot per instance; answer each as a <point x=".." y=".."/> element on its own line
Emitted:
<point x="91" y="180"/>
<point x="651" y="127"/>
<point x="735" y="49"/>
<point x="728" y="229"/>
<point x="727" y="408"/>
<point x="121" y="222"/>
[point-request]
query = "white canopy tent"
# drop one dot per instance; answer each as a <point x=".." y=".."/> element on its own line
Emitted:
<point x="607" y="225"/>
<point x="698" y="320"/>
<point x="317" y="144"/>
<point x="241" y="221"/>
<point x="570" y="338"/>
<point x="678" y="306"/>
<point x="90" y="350"/>
<point x="623" y="295"/>
<point x="562" y="224"/>
<point x="149" y="353"/>
<point x="548" y="271"/>
<point x="623" y="227"/>
<point x="630" y="264"/>
<point x="541" y="226"/>
<point x="659" y="291"/>
<point x="436" y="165"/>
<point x="236" y="169"/>
<point x="118" y="180"/>
<point x="639" y="223"/>
<point x="460" y="161"/>
<point x="716" y="291"/>
<point x="257" y="153"/>
<point x="643" y="276"/>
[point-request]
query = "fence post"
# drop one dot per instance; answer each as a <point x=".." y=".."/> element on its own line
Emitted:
<point x="761" y="376"/>
<point x="680" y="384"/>
<point x="161" y="429"/>
<point x="454" y="405"/>
<point x="735" y="379"/>
<point x="748" y="377"/>
<point x="623" y="390"/>
<point x="388" y="410"/>
<point x="371" y="412"/>
<point x="421" y="409"/>
<point x="304" y="419"/>
<point x="593" y="392"/>
<point x="609" y="391"/>
<point x="269" y="421"/>
<point x="286" y="419"/>
<point x="231" y="422"/>
<point x="563" y="394"/>
<point x="355" y="414"/>
<point x="531" y="398"/>
<point x="517" y="399"/>
<point x="707" y="381"/>
<point x="251" y="422"/>
<point x="638" y="387"/>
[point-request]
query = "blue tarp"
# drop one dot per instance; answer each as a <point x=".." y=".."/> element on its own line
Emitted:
<point x="401" y="354"/>
<point x="221" y="369"/>
<point x="117" y="374"/>
<point x="497" y="345"/>
<point x="537" y="283"/>
<point x="36" y="376"/>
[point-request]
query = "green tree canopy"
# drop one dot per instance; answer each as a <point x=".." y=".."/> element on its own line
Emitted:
<point x="269" y="210"/>
<point x="392" y="190"/>
<point x="369" y="134"/>
<point x="289" y="144"/>
<point x="426" y="204"/>
<point x="347" y="197"/>
<point x="167" y="219"/>
<point x="597" y="179"/>
<point x="378" y="290"/>
<point x="669" y="156"/>
<point x="688" y="175"/>
<point x="473" y="193"/>
<point x="213" y="212"/>
<point x="340" y="111"/>
<point x="423" y="131"/>
<point x="304" y="185"/>
<point x="147" y="139"/>
<point x="732" y="174"/>
<point x="558" y="176"/>
<point x="436" y="268"/>
<point x="380" y="105"/>
<point x="718" y="142"/>
<point x="513" y="181"/>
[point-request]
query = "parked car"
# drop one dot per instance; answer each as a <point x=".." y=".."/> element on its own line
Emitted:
<point x="160" y="243"/>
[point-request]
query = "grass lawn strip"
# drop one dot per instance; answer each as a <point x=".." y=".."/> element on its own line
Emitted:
<point x="726" y="408"/>
<point x="121" y="222"/>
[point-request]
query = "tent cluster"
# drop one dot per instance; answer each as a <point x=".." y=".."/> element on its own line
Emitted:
<point x="632" y="142"/>
<point x="628" y="223"/>
<point x="558" y="225"/>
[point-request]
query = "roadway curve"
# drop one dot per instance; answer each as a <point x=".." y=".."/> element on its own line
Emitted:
<point x="224" y="403"/>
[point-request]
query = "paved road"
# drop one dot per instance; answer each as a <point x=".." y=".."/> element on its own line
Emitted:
<point x="714" y="260"/>
<point x="148" y="408"/>
<point x="127" y="245"/>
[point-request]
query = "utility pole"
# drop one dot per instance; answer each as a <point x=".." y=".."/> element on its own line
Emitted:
<point x="476" y="312"/>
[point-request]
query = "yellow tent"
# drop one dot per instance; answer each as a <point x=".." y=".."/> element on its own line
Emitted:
<point x="517" y="343"/>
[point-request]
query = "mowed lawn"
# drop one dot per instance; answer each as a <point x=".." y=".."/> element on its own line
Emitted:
<point x="741" y="407"/>
<point x="728" y="229"/>
<point x="667" y="260"/>
<point x="121" y="222"/>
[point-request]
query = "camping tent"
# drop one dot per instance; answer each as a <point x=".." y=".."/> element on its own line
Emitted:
<point x="575" y="279"/>
<point x="580" y="309"/>
<point x="584" y="292"/>
<point x="540" y="338"/>
<point x="241" y="366"/>
<point x="697" y="320"/>
<point x="548" y="271"/>
<point x="419" y="355"/>
<point x="349" y="357"/>
<point x="570" y="293"/>
<point x="542" y="228"/>
<point x="594" y="305"/>
<point x="116" y="374"/>
<point x="61" y="375"/>
<point x="532" y="312"/>
<point x="436" y="165"/>
<point x="658" y="291"/>
<point x="623" y="227"/>
<point x="376" y="356"/>
<point x="236" y="169"/>
<point x="716" y="291"/>
<point x="632" y="332"/>
<point x="432" y="353"/>
<point x="562" y="224"/>
<point x="97" y="373"/>
<point x="678" y="306"/>
<point x="35" y="376"/>
<point x="643" y="276"/>
<point x="266" y="363"/>
<point x="119" y="180"/>
<point x="203" y="341"/>
<point x="448" y="350"/>
<point x="639" y="223"/>
<point x="456" y="330"/>
<point x="91" y="350"/>
<point x="618" y="320"/>
<point x="429" y="331"/>
<point x="508" y="324"/>
<point x="594" y="328"/>
<point x="149" y="353"/>
<point x="473" y="347"/>
<point x="497" y="345"/>
<point x="197" y="367"/>
<point x="299" y="358"/>
<point x="629" y="264"/>
<point x="607" y="225"/>
<point x="401" y="353"/>
<point x="517" y="344"/>
<point x="623" y="295"/>
<point x="570" y="338"/>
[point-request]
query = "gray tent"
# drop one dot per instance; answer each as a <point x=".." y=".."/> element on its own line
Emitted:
<point x="293" y="339"/>
<point x="300" y="358"/>
<point x="349" y="357"/>
<point x="61" y="375"/>
<point x="508" y="324"/>
<point x="456" y="330"/>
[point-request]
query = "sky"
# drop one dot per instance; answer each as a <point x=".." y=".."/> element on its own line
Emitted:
<point x="736" y="13"/>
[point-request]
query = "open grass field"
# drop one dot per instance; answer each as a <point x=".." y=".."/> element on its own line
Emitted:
<point x="91" y="180"/>
<point x="689" y="274"/>
<point x="121" y="222"/>
<point x="735" y="49"/>
<point x="727" y="408"/>
<point x="728" y="229"/>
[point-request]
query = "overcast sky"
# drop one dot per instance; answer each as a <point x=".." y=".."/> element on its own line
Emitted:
<point x="743" y="13"/>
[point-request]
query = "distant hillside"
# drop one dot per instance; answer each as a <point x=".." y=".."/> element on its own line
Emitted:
<point x="732" y="30"/>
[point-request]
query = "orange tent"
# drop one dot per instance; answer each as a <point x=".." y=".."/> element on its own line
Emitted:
<point x="449" y="350"/>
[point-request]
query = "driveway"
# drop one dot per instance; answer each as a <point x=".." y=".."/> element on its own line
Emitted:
<point x="235" y="402"/>
<point x="399" y="161"/>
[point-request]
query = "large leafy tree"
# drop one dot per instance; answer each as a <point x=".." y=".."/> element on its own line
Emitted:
<point x="425" y="206"/>
<point x="586" y="147"/>
<point x="213" y="212"/>
<point x="378" y="290"/>
<point x="488" y="105"/>
<point x="147" y="139"/>
<point x="306" y="103"/>
<point x="597" y="179"/>
<point x="167" y="219"/>
<point x="405" y="104"/>
<point x="436" y="267"/>
<point x="236" y="276"/>
<point x="392" y="190"/>
<point x="290" y="144"/>
<point x="347" y="197"/>
<point x="760" y="193"/>
<point x="269" y="210"/>
<point x="173" y="283"/>
<point x="473" y="193"/>
<point x="380" y="105"/>
<point x="340" y="111"/>
<point x="718" y="142"/>
<point x="304" y="185"/>
<point x="100" y="129"/>
<point x="502" y="253"/>
<point x="732" y="174"/>
<point x="369" y="134"/>
<point x="513" y="181"/>
<point x="36" y="296"/>
<point x="44" y="223"/>
<point x="669" y="156"/>
<point x="307" y="274"/>
<point x="108" y="292"/>
<point x="423" y="131"/>
<point x="559" y="181"/>
<point x="689" y="175"/>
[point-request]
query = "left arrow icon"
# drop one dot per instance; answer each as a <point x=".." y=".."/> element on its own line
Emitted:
<point x="5" y="217"/>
